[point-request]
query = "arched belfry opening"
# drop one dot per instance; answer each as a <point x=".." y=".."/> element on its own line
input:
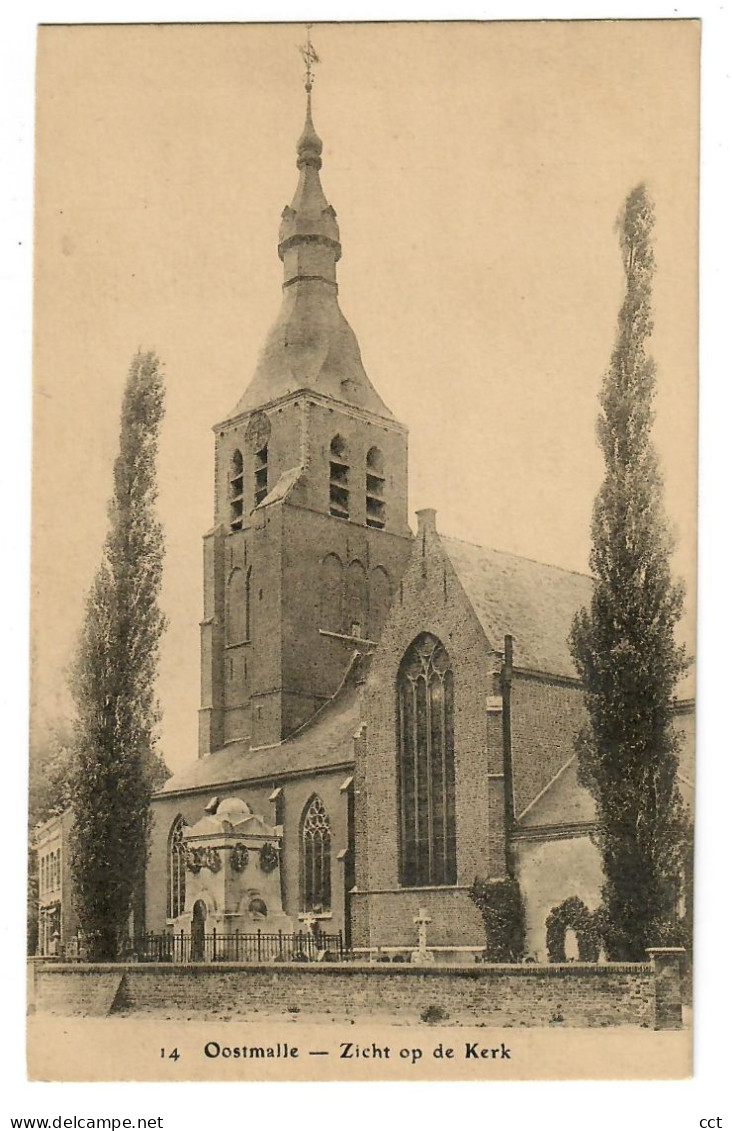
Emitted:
<point x="375" y="489"/>
<point x="339" y="478"/>
<point x="236" y="491"/>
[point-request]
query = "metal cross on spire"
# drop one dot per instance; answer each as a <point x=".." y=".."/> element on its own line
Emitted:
<point x="310" y="56"/>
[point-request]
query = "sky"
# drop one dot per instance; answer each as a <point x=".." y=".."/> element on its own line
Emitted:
<point x="477" y="171"/>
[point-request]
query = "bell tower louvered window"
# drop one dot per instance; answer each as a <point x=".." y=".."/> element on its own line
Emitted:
<point x="236" y="491"/>
<point x="339" y="469"/>
<point x="260" y="475"/>
<point x="426" y="765"/>
<point x="375" y="484"/>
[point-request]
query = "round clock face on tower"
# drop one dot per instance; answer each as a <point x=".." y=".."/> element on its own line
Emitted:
<point x="258" y="430"/>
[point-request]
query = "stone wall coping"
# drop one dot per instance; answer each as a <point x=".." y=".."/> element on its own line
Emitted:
<point x="378" y="969"/>
<point x="665" y="950"/>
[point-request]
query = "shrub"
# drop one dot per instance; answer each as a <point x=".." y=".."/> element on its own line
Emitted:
<point x="573" y="914"/>
<point x="502" y="907"/>
<point x="433" y="1013"/>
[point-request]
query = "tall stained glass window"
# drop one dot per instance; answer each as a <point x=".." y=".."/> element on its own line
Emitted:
<point x="426" y="765"/>
<point x="176" y="869"/>
<point x="316" y="857"/>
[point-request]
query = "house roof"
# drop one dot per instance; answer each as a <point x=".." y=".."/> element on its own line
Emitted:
<point x="564" y="802"/>
<point x="533" y="602"/>
<point x="324" y="742"/>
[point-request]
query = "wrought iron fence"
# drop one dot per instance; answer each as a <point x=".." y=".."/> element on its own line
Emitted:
<point x="259" y="946"/>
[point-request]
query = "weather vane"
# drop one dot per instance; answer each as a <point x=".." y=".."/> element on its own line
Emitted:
<point x="310" y="56"/>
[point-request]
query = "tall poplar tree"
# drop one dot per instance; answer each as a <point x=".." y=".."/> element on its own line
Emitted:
<point x="624" y="644"/>
<point x="116" y="763"/>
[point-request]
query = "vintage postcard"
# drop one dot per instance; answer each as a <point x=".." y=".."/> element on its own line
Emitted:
<point x="364" y="551"/>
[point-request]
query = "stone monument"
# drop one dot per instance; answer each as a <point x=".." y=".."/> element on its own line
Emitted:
<point x="233" y="873"/>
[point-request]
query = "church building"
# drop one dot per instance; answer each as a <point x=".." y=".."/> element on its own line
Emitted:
<point x="386" y="713"/>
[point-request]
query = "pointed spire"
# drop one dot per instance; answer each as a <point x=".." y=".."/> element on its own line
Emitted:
<point x="309" y="146"/>
<point x="309" y="242"/>
<point x="311" y="345"/>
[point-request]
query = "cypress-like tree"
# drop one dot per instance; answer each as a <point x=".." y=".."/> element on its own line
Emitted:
<point x="116" y="764"/>
<point x="624" y="644"/>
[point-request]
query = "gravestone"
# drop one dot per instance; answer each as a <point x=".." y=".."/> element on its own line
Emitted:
<point x="422" y="956"/>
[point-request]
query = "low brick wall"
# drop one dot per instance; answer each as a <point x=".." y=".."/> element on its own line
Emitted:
<point x="575" y="994"/>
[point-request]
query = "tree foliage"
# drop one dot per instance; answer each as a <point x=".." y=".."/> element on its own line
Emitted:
<point x="116" y="763"/>
<point x="624" y="644"/>
<point x="572" y="914"/>
<point x="49" y="773"/>
<point x="501" y="906"/>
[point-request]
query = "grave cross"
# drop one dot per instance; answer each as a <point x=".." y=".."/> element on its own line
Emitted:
<point x="310" y="922"/>
<point x="421" y="922"/>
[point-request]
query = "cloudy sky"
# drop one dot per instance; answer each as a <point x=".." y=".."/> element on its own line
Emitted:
<point x="476" y="170"/>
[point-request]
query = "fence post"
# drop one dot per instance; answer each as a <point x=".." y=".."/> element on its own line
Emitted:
<point x="280" y="951"/>
<point x="340" y="944"/>
<point x="213" y="933"/>
<point x="182" y="947"/>
<point x="236" y="943"/>
<point x="666" y="961"/>
<point x="259" y="944"/>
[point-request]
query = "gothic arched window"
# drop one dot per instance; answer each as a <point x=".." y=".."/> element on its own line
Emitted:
<point x="236" y="607"/>
<point x="331" y="593"/>
<point x="339" y="469"/>
<point x="379" y="601"/>
<point x="236" y="490"/>
<point x="316" y="857"/>
<point x="426" y="765"/>
<point x="357" y="599"/>
<point x="248" y="606"/>
<point x="375" y="483"/>
<point x="176" y="869"/>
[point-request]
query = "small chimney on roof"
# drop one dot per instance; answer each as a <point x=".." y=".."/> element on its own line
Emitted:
<point x="427" y="520"/>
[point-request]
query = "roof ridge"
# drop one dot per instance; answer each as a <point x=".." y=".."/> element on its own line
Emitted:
<point x="519" y="557"/>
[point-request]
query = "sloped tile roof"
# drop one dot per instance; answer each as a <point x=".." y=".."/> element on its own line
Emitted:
<point x="311" y="346"/>
<point x="565" y="802"/>
<point x="533" y="602"/>
<point x="283" y="486"/>
<point x="323" y="742"/>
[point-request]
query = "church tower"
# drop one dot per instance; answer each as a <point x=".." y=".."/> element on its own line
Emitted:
<point x="310" y="534"/>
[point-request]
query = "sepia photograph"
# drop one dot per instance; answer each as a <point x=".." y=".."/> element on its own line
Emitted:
<point x="364" y="520"/>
